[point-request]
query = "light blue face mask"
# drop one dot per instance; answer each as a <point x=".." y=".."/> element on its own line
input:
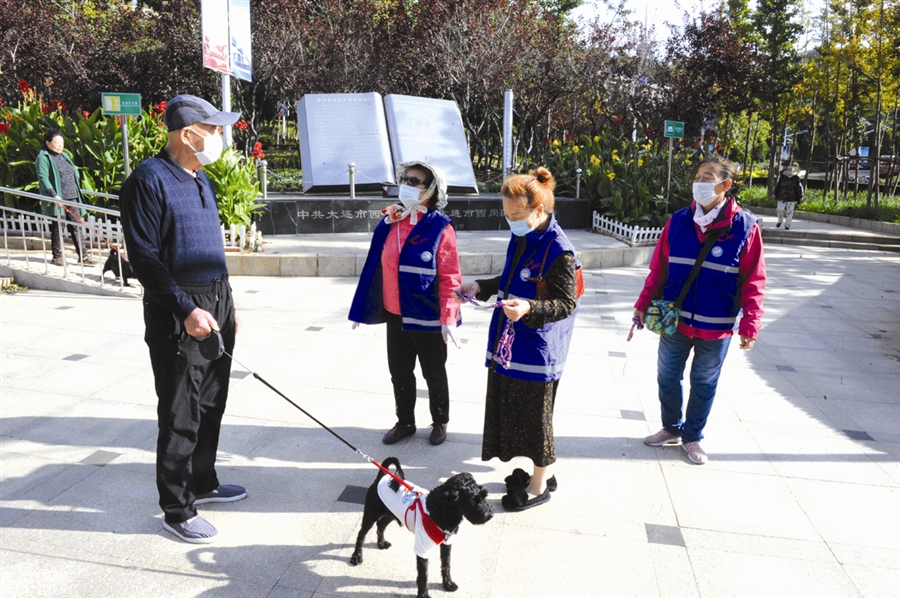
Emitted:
<point x="520" y="228"/>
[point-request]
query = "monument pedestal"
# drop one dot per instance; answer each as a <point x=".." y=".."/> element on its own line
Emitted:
<point x="287" y="214"/>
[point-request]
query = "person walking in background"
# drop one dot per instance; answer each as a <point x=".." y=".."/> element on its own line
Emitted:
<point x="788" y="193"/>
<point x="171" y="225"/>
<point x="731" y="282"/>
<point x="538" y="290"/>
<point x="409" y="279"/>
<point x="58" y="178"/>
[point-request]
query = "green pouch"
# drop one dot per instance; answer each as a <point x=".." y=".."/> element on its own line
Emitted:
<point x="662" y="317"/>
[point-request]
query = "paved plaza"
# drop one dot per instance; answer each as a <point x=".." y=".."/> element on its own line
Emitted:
<point x="801" y="496"/>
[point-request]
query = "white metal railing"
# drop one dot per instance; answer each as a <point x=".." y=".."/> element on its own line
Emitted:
<point x="34" y="229"/>
<point x="633" y="235"/>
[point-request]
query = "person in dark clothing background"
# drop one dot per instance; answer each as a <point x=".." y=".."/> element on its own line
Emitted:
<point x="58" y="178"/>
<point x="788" y="193"/>
<point x="171" y="224"/>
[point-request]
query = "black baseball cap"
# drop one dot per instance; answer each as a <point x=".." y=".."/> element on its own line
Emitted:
<point x="186" y="110"/>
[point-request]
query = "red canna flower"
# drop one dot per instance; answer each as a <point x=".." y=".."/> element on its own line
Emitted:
<point x="23" y="85"/>
<point x="46" y="109"/>
<point x="86" y="113"/>
<point x="718" y="148"/>
<point x="618" y="121"/>
<point x="4" y="128"/>
<point x="647" y="131"/>
<point x="161" y="106"/>
<point x="257" y="152"/>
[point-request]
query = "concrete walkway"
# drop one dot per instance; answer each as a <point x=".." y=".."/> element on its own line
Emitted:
<point x="801" y="496"/>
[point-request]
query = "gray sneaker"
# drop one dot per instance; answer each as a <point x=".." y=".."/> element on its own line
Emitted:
<point x="224" y="493"/>
<point x="695" y="453"/>
<point x="195" y="530"/>
<point x="662" y="438"/>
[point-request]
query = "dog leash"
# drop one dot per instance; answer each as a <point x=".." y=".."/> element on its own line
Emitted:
<point x="212" y="347"/>
<point x="503" y="354"/>
<point x="99" y="234"/>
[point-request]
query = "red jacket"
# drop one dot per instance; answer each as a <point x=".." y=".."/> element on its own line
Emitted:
<point x="752" y="275"/>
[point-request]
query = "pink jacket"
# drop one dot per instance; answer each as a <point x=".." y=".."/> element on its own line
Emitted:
<point x="752" y="273"/>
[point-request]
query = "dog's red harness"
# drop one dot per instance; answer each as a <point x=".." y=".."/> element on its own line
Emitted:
<point x="435" y="534"/>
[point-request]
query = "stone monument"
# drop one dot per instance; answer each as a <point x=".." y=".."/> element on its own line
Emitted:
<point x="336" y="129"/>
<point x="431" y="130"/>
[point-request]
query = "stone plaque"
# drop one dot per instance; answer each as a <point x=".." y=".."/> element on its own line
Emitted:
<point x="432" y="131"/>
<point x="336" y="129"/>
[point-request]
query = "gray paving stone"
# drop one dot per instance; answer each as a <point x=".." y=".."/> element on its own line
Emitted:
<point x="786" y="490"/>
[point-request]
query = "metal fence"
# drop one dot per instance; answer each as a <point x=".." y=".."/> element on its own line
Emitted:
<point x="30" y="233"/>
<point x="633" y="235"/>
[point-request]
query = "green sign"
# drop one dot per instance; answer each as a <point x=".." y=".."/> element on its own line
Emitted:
<point x="128" y="104"/>
<point x="674" y="129"/>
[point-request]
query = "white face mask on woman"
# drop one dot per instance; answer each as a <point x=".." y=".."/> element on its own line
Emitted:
<point x="409" y="196"/>
<point x="212" y="148"/>
<point x="705" y="193"/>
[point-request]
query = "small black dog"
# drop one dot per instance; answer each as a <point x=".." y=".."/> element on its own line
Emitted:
<point x="433" y="525"/>
<point x="112" y="264"/>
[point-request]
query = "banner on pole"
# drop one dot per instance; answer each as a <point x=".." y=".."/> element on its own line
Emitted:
<point x="239" y="26"/>
<point x="226" y="37"/>
<point x="216" y="44"/>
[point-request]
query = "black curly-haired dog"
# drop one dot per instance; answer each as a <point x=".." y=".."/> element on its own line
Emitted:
<point x="434" y="517"/>
<point x="112" y="264"/>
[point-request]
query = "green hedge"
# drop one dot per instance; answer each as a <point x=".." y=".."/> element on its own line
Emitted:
<point x="854" y="206"/>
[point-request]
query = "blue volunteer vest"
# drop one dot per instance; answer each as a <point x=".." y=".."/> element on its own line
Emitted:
<point x="713" y="300"/>
<point x="420" y="306"/>
<point x="538" y="355"/>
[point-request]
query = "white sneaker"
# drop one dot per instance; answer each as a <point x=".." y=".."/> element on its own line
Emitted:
<point x="662" y="438"/>
<point x="695" y="453"/>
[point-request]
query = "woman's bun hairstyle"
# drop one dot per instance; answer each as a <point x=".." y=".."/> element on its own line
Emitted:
<point x="535" y="188"/>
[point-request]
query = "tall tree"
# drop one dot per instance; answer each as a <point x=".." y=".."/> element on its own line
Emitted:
<point x="777" y="32"/>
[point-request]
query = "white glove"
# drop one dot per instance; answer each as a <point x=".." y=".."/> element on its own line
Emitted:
<point x="449" y="335"/>
<point x="355" y="326"/>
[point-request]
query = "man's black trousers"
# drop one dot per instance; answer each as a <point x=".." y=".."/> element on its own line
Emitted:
<point x="192" y="393"/>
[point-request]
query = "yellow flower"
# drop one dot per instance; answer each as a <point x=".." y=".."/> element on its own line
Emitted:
<point x="640" y="162"/>
<point x="610" y="175"/>
<point x="555" y="143"/>
<point x="687" y="161"/>
<point x="649" y="143"/>
<point x="596" y="139"/>
<point x="575" y="148"/>
<point x="595" y="160"/>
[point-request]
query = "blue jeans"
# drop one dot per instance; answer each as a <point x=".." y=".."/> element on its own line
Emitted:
<point x="705" y="369"/>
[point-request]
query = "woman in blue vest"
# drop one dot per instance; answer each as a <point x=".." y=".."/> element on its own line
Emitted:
<point x="731" y="282"/>
<point x="521" y="392"/>
<point x="409" y="280"/>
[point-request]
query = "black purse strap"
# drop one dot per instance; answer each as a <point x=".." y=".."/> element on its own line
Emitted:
<point x="711" y="238"/>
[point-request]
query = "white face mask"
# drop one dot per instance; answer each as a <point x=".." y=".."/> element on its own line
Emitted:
<point x="409" y="196"/>
<point x="212" y="148"/>
<point x="705" y="193"/>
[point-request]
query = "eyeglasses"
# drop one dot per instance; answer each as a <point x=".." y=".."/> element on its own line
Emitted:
<point x="414" y="181"/>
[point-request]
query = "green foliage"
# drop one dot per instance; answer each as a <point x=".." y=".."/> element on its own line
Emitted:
<point x="285" y="180"/>
<point x="94" y="143"/>
<point x="816" y="201"/>
<point x="624" y="179"/>
<point x="237" y="187"/>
